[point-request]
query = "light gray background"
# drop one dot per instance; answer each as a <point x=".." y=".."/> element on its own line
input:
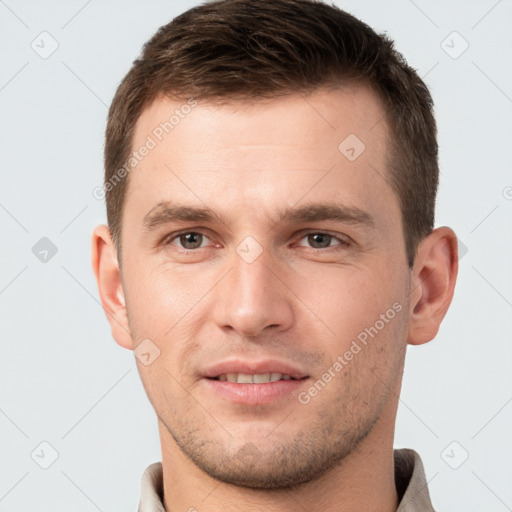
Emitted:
<point x="65" y="381"/>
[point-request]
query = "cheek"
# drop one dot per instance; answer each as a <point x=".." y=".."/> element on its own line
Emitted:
<point x="161" y="299"/>
<point x="343" y="301"/>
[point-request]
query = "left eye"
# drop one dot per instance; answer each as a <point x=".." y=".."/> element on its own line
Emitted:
<point x="322" y="240"/>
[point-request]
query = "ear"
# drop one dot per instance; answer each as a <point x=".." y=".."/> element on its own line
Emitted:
<point x="433" y="281"/>
<point x="108" y="277"/>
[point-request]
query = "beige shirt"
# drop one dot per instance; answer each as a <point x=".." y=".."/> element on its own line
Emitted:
<point x="410" y="481"/>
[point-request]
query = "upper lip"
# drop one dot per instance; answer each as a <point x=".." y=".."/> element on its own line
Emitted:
<point x="254" y="367"/>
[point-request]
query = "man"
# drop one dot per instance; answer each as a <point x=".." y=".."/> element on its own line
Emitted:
<point x="270" y="177"/>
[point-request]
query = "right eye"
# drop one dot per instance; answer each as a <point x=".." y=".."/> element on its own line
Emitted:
<point x="188" y="240"/>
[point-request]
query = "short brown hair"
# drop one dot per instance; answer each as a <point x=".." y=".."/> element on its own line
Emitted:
<point x="236" y="50"/>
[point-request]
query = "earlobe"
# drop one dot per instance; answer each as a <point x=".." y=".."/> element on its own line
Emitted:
<point x="432" y="284"/>
<point x="108" y="278"/>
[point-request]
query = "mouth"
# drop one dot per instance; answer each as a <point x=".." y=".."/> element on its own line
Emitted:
<point x="254" y="383"/>
<point x="257" y="378"/>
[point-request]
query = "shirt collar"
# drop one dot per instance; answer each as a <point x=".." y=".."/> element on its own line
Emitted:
<point x="410" y="482"/>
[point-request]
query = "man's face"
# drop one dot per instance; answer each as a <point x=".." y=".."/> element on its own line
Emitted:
<point x="248" y="292"/>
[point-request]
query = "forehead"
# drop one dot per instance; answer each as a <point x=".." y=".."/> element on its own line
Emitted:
<point x="323" y="118"/>
<point x="266" y="153"/>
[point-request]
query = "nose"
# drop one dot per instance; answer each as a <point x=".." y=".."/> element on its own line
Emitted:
<point x="252" y="300"/>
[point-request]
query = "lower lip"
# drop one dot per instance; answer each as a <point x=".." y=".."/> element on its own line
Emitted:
<point x="254" y="394"/>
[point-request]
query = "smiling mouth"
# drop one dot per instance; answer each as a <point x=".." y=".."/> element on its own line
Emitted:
<point x="257" y="378"/>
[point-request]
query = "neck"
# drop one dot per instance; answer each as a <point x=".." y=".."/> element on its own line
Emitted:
<point x="364" y="480"/>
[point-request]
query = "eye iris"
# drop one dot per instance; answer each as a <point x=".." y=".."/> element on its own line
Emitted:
<point x="322" y="238"/>
<point x="193" y="238"/>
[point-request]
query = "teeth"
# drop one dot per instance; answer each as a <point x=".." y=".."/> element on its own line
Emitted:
<point x="259" y="378"/>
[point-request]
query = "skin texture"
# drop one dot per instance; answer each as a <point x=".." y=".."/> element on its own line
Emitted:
<point x="303" y="300"/>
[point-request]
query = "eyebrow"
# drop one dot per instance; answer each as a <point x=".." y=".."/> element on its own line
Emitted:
<point x="166" y="211"/>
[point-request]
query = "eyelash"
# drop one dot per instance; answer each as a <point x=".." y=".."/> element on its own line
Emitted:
<point x="173" y="236"/>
